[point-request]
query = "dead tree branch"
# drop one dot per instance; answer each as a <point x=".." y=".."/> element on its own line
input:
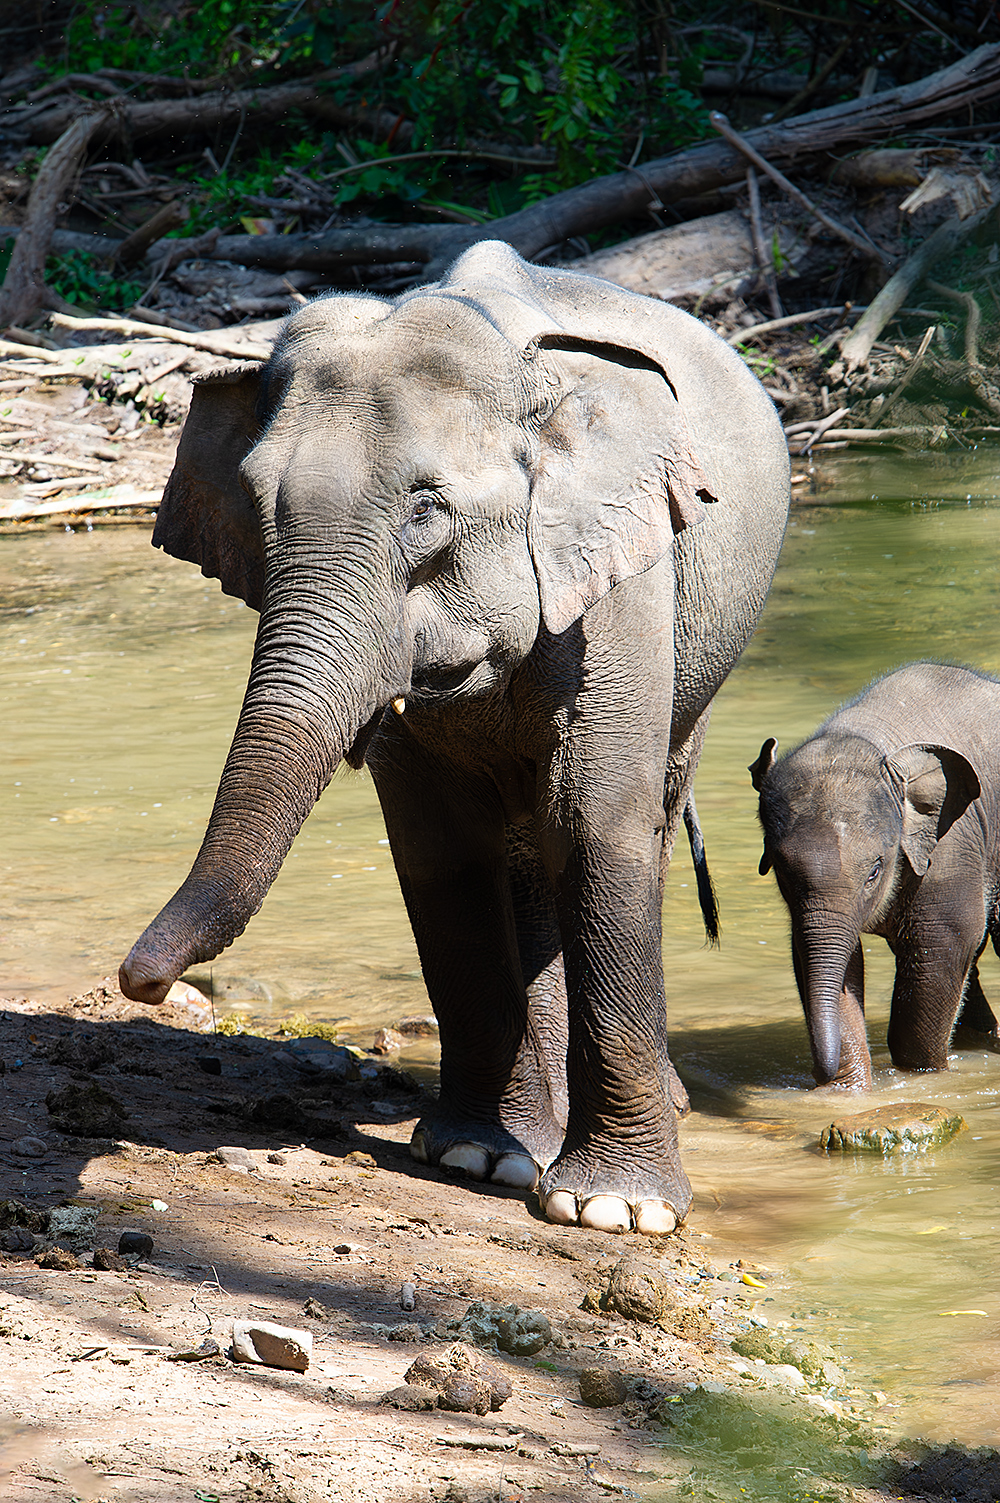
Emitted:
<point x="24" y="285"/>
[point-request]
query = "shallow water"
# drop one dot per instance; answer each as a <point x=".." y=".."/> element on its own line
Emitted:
<point x="121" y="675"/>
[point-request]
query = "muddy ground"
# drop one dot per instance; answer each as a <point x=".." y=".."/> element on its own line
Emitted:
<point x="108" y="1106"/>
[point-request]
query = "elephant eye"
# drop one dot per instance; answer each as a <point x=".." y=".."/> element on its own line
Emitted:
<point x="423" y="501"/>
<point x="875" y="873"/>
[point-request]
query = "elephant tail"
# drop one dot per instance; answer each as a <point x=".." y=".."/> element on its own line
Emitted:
<point x="707" y="900"/>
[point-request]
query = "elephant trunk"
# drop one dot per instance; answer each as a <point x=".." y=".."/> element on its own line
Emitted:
<point x="315" y="695"/>
<point x="824" y="946"/>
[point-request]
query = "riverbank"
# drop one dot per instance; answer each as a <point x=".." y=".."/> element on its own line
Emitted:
<point x="318" y="1220"/>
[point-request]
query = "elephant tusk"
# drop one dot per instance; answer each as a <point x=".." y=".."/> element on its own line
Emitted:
<point x="399" y="705"/>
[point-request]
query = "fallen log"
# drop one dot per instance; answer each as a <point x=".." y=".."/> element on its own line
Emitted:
<point x="626" y="195"/>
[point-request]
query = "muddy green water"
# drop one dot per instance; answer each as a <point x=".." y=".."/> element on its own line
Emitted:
<point x="121" y="674"/>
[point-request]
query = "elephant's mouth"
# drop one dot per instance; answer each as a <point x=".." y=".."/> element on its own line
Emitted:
<point x="358" y="750"/>
<point x="438" y="686"/>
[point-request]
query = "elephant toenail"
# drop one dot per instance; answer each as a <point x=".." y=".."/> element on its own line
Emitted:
<point x="469" y="1157"/>
<point x="517" y="1170"/>
<point x="561" y="1207"/>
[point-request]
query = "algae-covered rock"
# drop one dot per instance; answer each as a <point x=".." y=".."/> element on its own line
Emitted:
<point x="904" y="1127"/>
<point x="771" y="1347"/>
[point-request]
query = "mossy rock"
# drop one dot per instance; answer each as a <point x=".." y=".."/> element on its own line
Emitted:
<point x="904" y="1127"/>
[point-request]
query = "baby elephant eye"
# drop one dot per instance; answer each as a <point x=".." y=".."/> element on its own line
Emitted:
<point x="875" y="873"/>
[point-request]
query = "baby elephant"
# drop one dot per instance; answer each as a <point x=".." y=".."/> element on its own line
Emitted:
<point x="887" y="821"/>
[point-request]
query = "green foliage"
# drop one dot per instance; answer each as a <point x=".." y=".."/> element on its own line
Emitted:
<point x="214" y="36"/>
<point x="80" y="278"/>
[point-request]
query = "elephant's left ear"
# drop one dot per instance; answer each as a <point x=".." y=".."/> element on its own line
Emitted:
<point x="615" y="480"/>
<point x="618" y="475"/>
<point x="936" y="785"/>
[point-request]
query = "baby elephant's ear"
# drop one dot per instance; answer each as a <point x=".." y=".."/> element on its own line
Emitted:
<point x="936" y="786"/>
<point x="206" y="517"/>
<point x="759" y="770"/>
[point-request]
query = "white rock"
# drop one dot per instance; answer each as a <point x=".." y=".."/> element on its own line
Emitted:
<point x="271" y="1345"/>
<point x="787" y="1375"/>
<point x="241" y="1160"/>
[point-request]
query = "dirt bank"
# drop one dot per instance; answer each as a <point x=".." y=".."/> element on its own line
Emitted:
<point x="322" y="1234"/>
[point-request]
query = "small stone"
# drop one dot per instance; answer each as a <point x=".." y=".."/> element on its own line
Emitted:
<point x="407" y="1297"/>
<point x="271" y="1345"/>
<point x="277" y="1158"/>
<point x="906" y="1127"/>
<point x="784" y="1372"/>
<point x="415" y="1398"/>
<point x="360" y="1159"/>
<point x="158" y="1205"/>
<point x="240" y="1160"/>
<point x="133" y="1244"/>
<point x="386" y="1040"/>
<point x="29" y="1148"/>
<point x="602" y="1388"/>
<point x="418" y="1027"/>
<point x="109" y="1261"/>
<point x="183" y="994"/>
<point x="209" y="1064"/>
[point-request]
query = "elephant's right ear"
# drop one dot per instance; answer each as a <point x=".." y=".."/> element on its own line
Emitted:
<point x="936" y="785"/>
<point x="759" y="770"/>
<point x="206" y="517"/>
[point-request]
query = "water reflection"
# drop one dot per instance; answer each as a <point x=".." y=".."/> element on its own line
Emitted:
<point x="121" y="675"/>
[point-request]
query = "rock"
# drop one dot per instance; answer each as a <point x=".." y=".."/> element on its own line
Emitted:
<point x="386" y="1040"/>
<point x="407" y="1297"/>
<point x="279" y="1109"/>
<point x="59" y="1258"/>
<point x="271" y="1345"/>
<point x="183" y="994"/>
<point x="602" y="1388"/>
<point x="905" y="1127"/>
<point x="76" y="1225"/>
<point x="109" y="1261"/>
<point x="29" y="1148"/>
<point x="791" y="1377"/>
<point x="240" y="1160"/>
<point x="418" y="1028"/>
<point x="360" y="1159"/>
<point x="769" y="1346"/>
<point x="277" y="1158"/>
<point x="135" y="1244"/>
<point x="436" y="1371"/>
<point x="463" y="1393"/>
<point x="85" y="1111"/>
<point x="319" y="1057"/>
<point x="638" y="1290"/>
<point x="209" y="1064"/>
<point x="415" y="1398"/>
<point x="15" y="1239"/>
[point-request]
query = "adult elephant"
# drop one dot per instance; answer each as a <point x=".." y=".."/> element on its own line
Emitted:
<point x="508" y="534"/>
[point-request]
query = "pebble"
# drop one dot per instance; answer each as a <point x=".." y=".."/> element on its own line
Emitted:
<point x="386" y="1040"/>
<point x="277" y="1158"/>
<point x="271" y="1345"/>
<point x="29" y="1148"/>
<point x="240" y="1160"/>
<point x="407" y="1297"/>
<point x="135" y="1244"/>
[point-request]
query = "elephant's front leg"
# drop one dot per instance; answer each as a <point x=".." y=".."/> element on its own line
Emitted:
<point x="494" y="1117"/>
<point x="620" y="1165"/>
<point x="935" y="951"/>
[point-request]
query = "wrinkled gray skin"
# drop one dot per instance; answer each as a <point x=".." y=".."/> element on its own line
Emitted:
<point x="543" y="512"/>
<point x="887" y="822"/>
